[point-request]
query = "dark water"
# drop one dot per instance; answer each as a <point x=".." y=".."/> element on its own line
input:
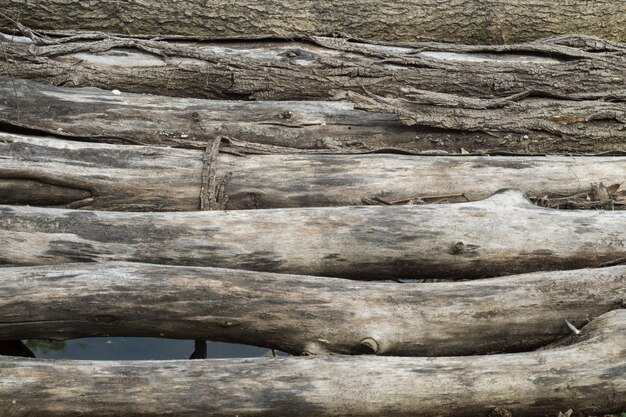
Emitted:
<point x="136" y="348"/>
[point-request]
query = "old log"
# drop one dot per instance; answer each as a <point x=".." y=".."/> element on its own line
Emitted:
<point x="318" y="67"/>
<point x="560" y="126"/>
<point x="587" y="375"/>
<point x="301" y="314"/>
<point x="43" y="171"/>
<point x="475" y="21"/>
<point x="501" y="235"/>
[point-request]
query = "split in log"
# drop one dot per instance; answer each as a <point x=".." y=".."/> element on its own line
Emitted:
<point x="474" y="21"/>
<point x="53" y="172"/>
<point x="588" y="375"/>
<point x="501" y="235"/>
<point x="562" y="126"/>
<point x="301" y="314"/>
<point x="318" y="68"/>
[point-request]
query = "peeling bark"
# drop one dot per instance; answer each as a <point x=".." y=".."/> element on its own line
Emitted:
<point x="317" y="68"/>
<point x="313" y="127"/>
<point x="300" y="314"/>
<point x="475" y="21"/>
<point x="501" y="235"/>
<point x="42" y="171"/>
<point x="588" y="376"/>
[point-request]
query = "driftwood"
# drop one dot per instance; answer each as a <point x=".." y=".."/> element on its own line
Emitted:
<point x="588" y="376"/>
<point x="318" y="68"/>
<point x="53" y="172"/>
<point x="304" y="315"/>
<point x="501" y="235"/>
<point x="475" y="21"/>
<point x="561" y="126"/>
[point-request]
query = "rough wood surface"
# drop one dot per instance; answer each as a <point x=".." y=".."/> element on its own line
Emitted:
<point x="43" y="171"/>
<point x="300" y="314"/>
<point x="475" y="21"/>
<point x="501" y="235"/>
<point x="588" y="376"/>
<point x="317" y="68"/>
<point x="561" y="126"/>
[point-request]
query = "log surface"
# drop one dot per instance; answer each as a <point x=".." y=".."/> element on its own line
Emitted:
<point x="475" y="21"/>
<point x="300" y="314"/>
<point x="548" y="126"/>
<point x="42" y="171"/>
<point x="588" y="375"/>
<point x="501" y="235"/>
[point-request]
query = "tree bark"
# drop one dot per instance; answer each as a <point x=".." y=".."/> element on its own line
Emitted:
<point x="301" y="314"/>
<point x="562" y="126"/>
<point x="476" y="21"/>
<point x="501" y="235"/>
<point x="42" y="171"/>
<point x="587" y="375"/>
<point x="317" y="68"/>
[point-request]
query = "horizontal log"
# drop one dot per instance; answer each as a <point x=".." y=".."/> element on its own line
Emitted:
<point x="588" y="375"/>
<point x="317" y="68"/>
<point x="43" y="171"/>
<point x="558" y="126"/>
<point x="501" y="235"/>
<point x="475" y="21"/>
<point x="301" y="314"/>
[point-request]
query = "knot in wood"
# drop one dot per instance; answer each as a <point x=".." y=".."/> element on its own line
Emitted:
<point x="458" y="247"/>
<point x="195" y="116"/>
<point x="370" y="345"/>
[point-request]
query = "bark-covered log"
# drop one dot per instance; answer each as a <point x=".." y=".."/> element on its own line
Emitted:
<point x="317" y="68"/>
<point x="300" y="314"/>
<point x="501" y="235"/>
<point x="53" y="172"/>
<point x="474" y="21"/>
<point x="588" y="376"/>
<point x="312" y="127"/>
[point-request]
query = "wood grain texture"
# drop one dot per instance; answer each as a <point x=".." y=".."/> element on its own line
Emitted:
<point x="501" y="235"/>
<point x="588" y="376"/>
<point x="301" y="314"/>
<point x="45" y="171"/>
<point x="549" y="126"/>
<point x="475" y="21"/>
<point x="318" y="67"/>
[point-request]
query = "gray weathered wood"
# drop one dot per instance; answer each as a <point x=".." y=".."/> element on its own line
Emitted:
<point x="43" y="171"/>
<point x="588" y="376"/>
<point x="318" y="68"/>
<point x="474" y="21"/>
<point x="300" y="314"/>
<point x="561" y="126"/>
<point x="501" y="235"/>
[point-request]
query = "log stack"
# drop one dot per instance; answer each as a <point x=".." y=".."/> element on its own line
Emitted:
<point x="420" y="201"/>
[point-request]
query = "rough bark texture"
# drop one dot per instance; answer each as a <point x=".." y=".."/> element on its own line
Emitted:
<point x="475" y="21"/>
<point x="563" y="126"/>
<point x="501" y="235"/>
<point x="304" y="315"/>
<point x="317" y="68"/>
<point x="588" y="375"/>
<point x="53" y="172"/>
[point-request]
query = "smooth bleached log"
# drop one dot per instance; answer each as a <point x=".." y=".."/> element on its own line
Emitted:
<point x="588" y="376"/>
<point x="475" y="21"/>
<point x="42" y="171"/>
<point x="561" y="127"/>
<point x="301" y="314"/>
<point x="501" y="235"/>
<point x="319" y="67"/>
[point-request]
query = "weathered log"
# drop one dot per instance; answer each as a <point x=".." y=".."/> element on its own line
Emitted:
<point x="309" y="127"/>
<point x="53" y="172"/>
<point x="588" y="376"/>
<point x="501" y="235"/>
<point x="301" y="314"/>
<point x="317" y="68"/>
<point x="475" y="21"/>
